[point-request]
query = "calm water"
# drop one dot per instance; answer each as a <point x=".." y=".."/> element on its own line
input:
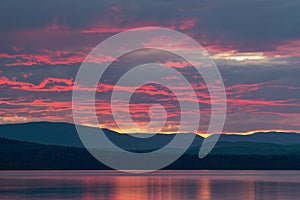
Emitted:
<point x="171" y="185"/>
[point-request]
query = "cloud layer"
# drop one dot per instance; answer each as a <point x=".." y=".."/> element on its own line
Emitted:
<point x="255" y="44"/>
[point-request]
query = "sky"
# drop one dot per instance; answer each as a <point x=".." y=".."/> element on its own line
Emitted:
<point x="255" y="44"/>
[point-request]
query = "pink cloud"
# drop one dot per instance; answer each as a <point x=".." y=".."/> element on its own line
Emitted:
<point x="182" y="64"/>
<point x="60" y="57"/>
<point x="289" y="48"/>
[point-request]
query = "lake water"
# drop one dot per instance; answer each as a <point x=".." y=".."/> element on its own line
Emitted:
<point x="162" y="185"/>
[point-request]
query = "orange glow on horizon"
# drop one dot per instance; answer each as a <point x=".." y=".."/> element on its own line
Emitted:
<point x="264" y="131"/>
<point x="201" y="133"/>
<point x="20" y="120"/>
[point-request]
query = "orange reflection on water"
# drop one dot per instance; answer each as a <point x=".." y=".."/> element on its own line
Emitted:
<point x="204" y="192"/>
<point x="202" y="185"/>
<point x="158" y="188"/>
<point x="144" y="187"/>
<point x="128" y="188"/>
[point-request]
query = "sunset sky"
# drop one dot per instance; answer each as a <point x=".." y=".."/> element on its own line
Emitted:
<point x="255" y="44"/>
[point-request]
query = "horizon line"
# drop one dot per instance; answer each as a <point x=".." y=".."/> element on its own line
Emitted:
<point x="202" y="134"/>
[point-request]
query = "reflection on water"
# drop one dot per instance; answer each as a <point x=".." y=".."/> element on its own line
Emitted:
<point x="167" y="185"/>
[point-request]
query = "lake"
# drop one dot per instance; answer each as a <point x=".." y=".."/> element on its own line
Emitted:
<point x="160" y="185"/>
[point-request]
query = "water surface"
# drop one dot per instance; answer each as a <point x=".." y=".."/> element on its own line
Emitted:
<point x="163" y="185"/>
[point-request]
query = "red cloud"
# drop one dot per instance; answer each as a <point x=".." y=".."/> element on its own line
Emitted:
<point x="47" y="85"/>
<point x="187" y="24"/>
<point x="47" y="57"/>
<point x="49" y="109"/>
<point x="182" y="64"/>
<point x="289" y="48"/>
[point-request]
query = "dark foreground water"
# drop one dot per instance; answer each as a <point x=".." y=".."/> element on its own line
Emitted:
<point x="170" y="185"/>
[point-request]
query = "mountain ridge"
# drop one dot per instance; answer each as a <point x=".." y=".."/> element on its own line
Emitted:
<point x="64" y="150"/>
<point x="65" y="134"/>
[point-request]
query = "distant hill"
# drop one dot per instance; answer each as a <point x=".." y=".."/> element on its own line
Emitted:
<point x="64" y="134"/>
<point x="46" y="145"/>
<point x="264" y="137"/>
